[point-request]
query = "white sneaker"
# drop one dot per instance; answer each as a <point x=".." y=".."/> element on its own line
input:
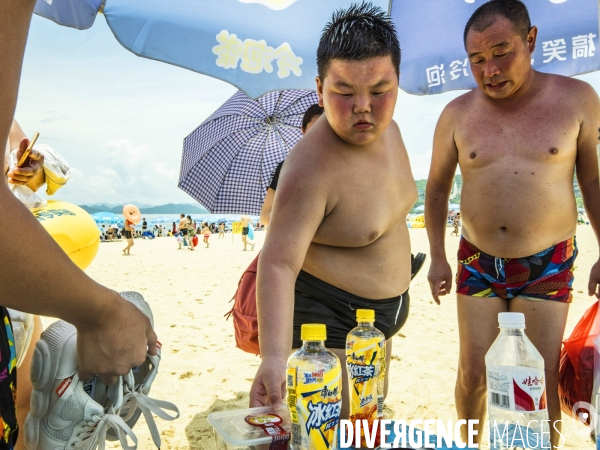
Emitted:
<point x="62" y="414"/>
<point x="137" y="384"/>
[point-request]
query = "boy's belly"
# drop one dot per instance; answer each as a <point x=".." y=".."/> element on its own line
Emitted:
<point x="375" y="271"/>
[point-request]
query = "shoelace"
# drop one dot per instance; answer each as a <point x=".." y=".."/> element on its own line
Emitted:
<point x="134" y="399"/>
<point x="94" y="434"/>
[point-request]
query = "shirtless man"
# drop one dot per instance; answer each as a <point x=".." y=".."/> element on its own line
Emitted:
<point x="183" y="228"/>
<point x="245" y="222"/>
<point x="351" y="166"/>
<point x="113" y="335"/>
<point x="518" y="138"/>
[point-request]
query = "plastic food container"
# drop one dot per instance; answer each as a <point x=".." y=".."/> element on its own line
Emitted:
<point x="233" y="432"/>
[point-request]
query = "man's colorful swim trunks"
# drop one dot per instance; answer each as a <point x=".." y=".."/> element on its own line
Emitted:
<point x="547" y="275"/>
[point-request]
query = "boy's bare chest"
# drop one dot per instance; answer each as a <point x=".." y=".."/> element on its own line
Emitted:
<point x="370" y="201"/>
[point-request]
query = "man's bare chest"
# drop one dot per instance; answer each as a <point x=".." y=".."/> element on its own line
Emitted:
<point x="534" y="136"/>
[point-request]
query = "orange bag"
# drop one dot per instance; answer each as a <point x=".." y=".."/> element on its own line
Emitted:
<point x="576" y="371"/>
<point x="245" y="320"/>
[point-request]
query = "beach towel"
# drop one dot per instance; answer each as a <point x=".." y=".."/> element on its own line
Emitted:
<point x="250" y="232"/>
<point x="245" y="320"/>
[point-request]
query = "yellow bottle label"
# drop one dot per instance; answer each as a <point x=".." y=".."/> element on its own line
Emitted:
<point x="315" y="403"/>
<point x="365" y="361"/>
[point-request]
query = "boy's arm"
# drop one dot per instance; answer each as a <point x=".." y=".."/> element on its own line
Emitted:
<point x="298" y="211"/>
<point x="36" y="275"/>
<point x="439" y="183"/>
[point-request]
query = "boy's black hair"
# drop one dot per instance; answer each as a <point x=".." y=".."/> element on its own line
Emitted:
<point x="359" y="32"/>
<point x="312" y="111"/>
<point x="514" y="11"/>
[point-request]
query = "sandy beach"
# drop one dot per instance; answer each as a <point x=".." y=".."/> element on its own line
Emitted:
<point x="202" y="371"/>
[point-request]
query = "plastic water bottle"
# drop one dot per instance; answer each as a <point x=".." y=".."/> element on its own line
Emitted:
<point x="314" y="387"/>
<point x="516" y="388"/>
<point x="365" y="361"/>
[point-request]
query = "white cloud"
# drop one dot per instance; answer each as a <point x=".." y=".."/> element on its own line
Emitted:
<point x="123" y="172"/>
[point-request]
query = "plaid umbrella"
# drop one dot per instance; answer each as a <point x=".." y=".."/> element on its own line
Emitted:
<point x="227" y="162"/>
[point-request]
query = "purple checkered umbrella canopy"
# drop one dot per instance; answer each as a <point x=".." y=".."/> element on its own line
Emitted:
<point x="227" y="162"/>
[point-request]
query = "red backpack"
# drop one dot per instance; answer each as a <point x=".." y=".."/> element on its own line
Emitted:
<point x="245" y="320"/>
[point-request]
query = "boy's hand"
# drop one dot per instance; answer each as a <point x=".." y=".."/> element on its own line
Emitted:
<point x="114" y="341"/>
<point x="32" y="166"/>
<point x="268" y="387"/>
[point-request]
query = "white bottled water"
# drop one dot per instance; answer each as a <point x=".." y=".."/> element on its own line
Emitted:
<point x="516" y="388"/>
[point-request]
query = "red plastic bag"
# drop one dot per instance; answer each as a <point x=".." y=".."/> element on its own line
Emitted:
<point x="195" y="241"/>
<point x="576" y="372"/>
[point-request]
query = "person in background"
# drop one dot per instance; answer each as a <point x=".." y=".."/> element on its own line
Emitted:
<point x="182" y="229"/>
<point x="246" y="222"/>
<point x="221" y="231"/>
<point x="311" y="115"/>
<point x="191" y="233"/>
<point x="129" y="233"/>
<point x="206" y="233"/>
<point x="144" y="226"/>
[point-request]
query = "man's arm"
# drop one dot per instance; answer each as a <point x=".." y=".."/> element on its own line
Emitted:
<point x="297" y="213"/>
<point x="439" y="183"/>
<point x="36" y="275"/>
<point x="587" y="170"/>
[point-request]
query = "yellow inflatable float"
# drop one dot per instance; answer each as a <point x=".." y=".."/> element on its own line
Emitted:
<point x="418" y="222"/>
<point x="72" y="228"/>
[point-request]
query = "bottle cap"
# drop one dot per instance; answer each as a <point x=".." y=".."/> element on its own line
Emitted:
<point x="365" y="315"/>
<point x="511" y="320"/>
<point x="313" y="332"/>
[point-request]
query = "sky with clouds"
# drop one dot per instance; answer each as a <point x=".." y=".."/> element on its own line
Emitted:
<point x="120" y="120"/>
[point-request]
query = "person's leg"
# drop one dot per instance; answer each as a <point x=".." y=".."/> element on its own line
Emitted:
<point x="24" y="386"/>
<point x="477" y="330"/>
<point x="245" y="241"/>
<point x="545" y="321"/>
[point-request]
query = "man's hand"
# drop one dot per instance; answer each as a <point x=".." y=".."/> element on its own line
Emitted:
<point x="594" y="280"/>
<point x="112" y="343"/>
<point x="34" y="164"/>
<point x="268" y="387"/>
<point x="440" y="278"/>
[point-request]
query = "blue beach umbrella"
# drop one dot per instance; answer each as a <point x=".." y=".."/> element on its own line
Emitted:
<point x="106" y="217"/>
<point x="434" y="59"/>
<point x="255" y="45"/>
<point x="227" y="162"/>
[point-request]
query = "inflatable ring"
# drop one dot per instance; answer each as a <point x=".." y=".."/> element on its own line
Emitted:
<point x="132" y="213"/>
<point x="72" y="228"/>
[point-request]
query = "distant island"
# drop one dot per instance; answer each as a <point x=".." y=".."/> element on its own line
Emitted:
<point x="170" y="208"/>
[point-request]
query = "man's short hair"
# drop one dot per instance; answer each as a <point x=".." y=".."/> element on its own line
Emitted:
<point x="312" y="111"/>
<point x="360" y="32"/>
<point x="514" y="11"/>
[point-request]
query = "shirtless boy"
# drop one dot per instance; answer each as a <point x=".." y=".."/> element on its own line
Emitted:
<point x="351" y="166"/>
<point x="518" y="138"/>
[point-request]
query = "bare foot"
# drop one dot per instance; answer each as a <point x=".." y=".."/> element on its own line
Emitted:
<point x="253" y="246"/>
